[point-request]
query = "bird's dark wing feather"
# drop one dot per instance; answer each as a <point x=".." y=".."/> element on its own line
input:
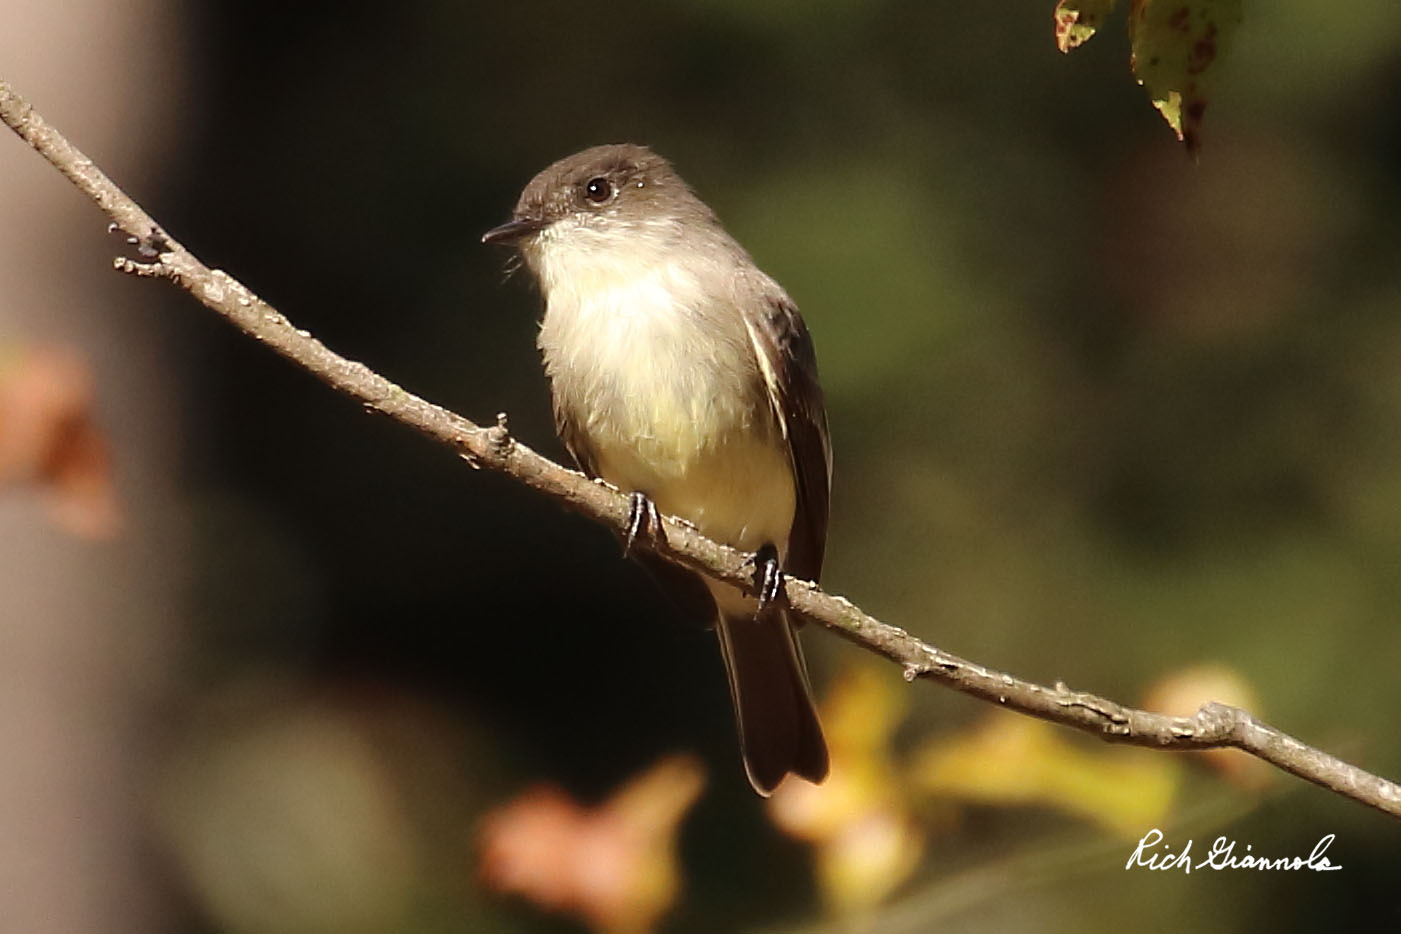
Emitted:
<point x="789" y="366"/>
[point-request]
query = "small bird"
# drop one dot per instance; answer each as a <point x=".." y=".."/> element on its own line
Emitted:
<point x="684" y="375"/>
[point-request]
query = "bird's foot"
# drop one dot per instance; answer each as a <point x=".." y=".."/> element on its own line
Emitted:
<point x="768" y="576"/>
<point x="644" y="521"/>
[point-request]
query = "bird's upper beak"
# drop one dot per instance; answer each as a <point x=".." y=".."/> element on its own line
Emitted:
<point x="513" y="231"/>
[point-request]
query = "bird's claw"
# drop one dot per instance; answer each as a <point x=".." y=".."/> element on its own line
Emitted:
<point x="644" y="521"/>
<point x="768" y="577"/>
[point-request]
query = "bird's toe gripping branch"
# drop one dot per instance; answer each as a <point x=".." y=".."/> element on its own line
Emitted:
<point x="768" y="576"/>
<point x="644" y="521"/>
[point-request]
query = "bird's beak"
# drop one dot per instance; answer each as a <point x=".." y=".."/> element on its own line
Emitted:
<point x="513" y="231"/>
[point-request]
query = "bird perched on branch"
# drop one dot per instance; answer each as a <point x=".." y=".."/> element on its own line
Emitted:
<point x="685" y="376"/>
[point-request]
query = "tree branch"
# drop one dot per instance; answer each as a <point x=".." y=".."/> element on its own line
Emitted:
<point x="1213" y="726"/>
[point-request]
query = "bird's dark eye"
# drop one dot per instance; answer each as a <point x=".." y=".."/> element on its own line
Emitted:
<point x="598" y="190"/>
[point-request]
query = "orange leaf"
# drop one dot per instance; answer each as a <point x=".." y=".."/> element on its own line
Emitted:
<point x="615" y="865"/>
<point x="50" y="440"/>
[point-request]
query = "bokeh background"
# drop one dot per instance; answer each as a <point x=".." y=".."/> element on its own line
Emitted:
<point x="1100" y="414"/>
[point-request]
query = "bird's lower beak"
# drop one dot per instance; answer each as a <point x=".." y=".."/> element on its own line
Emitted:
<point x="512" y="231"/>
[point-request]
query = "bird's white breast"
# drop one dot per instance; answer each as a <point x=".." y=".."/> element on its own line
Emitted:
<point x="661" y="378"/>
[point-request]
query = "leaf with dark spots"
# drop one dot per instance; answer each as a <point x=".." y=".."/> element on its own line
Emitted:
<point x="1176" y="45"/>
<point x="1077" y="20"/>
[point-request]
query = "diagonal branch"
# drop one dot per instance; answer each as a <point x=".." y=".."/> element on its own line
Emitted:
<point x="1213" y="726"/>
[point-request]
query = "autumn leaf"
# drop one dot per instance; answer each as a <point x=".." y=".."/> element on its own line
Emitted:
<point x="860" y="820"/>
<point x="1077" y="20"/>
<point x="614" y="866"/>
<point x="49" y="439"/>
<point x="1176" y="49"/>
<point x="1176" y="45"/>
<point x="1014" y="760"/>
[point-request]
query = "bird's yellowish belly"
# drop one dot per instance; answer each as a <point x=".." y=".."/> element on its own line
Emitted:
<point x="670" y="399"/>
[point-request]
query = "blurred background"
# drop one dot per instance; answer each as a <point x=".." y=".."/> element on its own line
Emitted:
<point x="1100" y="414"/>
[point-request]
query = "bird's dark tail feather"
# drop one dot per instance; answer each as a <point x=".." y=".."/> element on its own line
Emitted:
<point x="778" y="728"/>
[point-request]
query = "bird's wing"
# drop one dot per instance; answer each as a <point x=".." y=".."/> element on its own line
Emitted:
<point x="789" y="366"/>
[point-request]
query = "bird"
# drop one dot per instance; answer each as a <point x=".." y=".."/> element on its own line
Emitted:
<point x="684" y="376"/>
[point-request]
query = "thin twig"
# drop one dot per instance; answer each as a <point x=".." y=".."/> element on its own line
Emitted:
<point x="1213" y="726"/>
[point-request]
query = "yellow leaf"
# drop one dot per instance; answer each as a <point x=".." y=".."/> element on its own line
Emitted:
<point x="1077" y="20"/>
<point x="1176" y="47"/>
<point x="863" y="863"/>
<point x="859" y="820"/>
<point x="860" y="714"/>
<point x="1013" y="759"/>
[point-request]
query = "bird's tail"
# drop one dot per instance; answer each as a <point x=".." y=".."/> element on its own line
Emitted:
<point x="778" y="728"/>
